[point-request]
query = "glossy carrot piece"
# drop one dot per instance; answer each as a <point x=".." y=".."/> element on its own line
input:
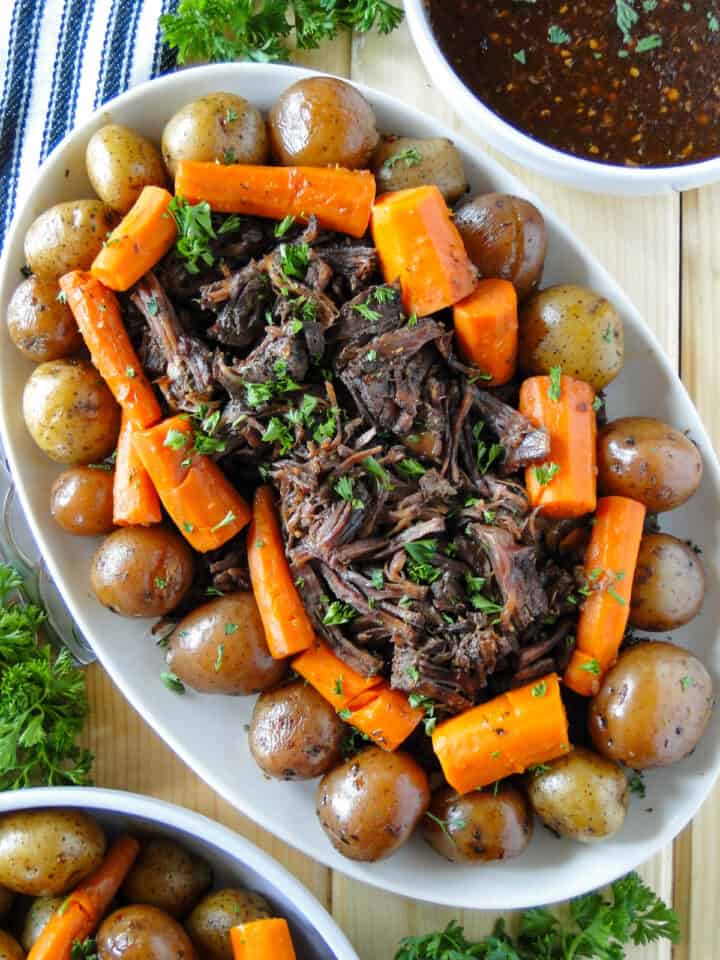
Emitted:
<point x="97" y="314"/>
<point x="135" y="500"/>
<point x="570" y="420"/>
<point x="504" y="736"/>
<point x="288" y="629"/>
<point x="333" y="679"/>
<point x="418" y="244"/>
<point x="340" y="199"/>
<point x="486" y="329"/>
<point x="140" y="240"/>
<point x="203" y="504"/>
<point x="610" y="562"/>
<point x="262" y="940"/>
<point x="387" y="718"/>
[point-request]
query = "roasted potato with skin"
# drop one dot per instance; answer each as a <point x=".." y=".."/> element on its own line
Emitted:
<point x="41" y="909"/>
<point x="479" y="826"/>
<point x="220" y="648"/>
<point x="403" y="162"/>
<point x="120" y="162"/>
<point x="47" y="852"/>
<point x="41" y="326"/>
<point x="573" y="328"/>
<point x="581" y="796"/>
<point x="10" y="949"/>
<point x="669" y="584"/>
<point x="81" y="501"/>
<point x="294" y="733"/>
<point x="647" y="460"/>
<point x="67" y="237"/>
<point x="323" y="122"/>
<point x="505" y="238"/>
<point x="210" y="922"/>
<point x="370" y="805"/>
<point x="167" y="876"/>
<point x="70" y="413"/>
<point x="142" y="571"/>
<point x="218" y="126"/>
<point x="652" y="707"/>
<point x="143" y="933"/>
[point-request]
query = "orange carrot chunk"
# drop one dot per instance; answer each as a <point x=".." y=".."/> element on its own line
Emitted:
<point x="203" y="504"/>
<point x="135" y="500"/>
<point x="340" y="199"/>
<point x="486" y="329"/>
<point x="262" y="940"/>
<point x="610" y="563"/>
<point x="504" y="736"/>
<point x="97" y="313"/>
<point x="387" y="718"/>
<point x="338" y="683"/>
<point x="566" y="485"/>
<point x="141" y="239"/>
<point x="418" y="244"/>
<point x="287" y="626"/>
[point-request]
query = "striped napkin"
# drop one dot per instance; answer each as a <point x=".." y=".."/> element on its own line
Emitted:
<point x="59" y="61"/>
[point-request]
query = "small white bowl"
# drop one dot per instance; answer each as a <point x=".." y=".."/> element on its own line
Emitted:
<point x="234" y="861"/>
<point x="576" y="172"/>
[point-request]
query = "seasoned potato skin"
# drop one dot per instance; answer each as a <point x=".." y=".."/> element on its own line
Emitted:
<point x="294" y="733"/>
<point x="505" y="238"/>
<point x="648" y="460"/>
<point x="143" y="933"/>
<point x="142" y="571"/>
<point x="67" y="237"/>
<point x="482" y="826"/>
<point x="10" y="949"/>
<point x="47" y="852"/>
<point x="439" y="163"/>
<point x="40" y="326"/>
<point x="219" y="126"/>
<point x="370" y="805"/>
<point x="652" y="707"/>
<point x="70" y="413"/>
<point x="669" y="584"/>
<point x="167" y="876"/>
<point x="571" y="327"/>
<point x="120" y="162"/>
<point x="582" y="796"/>
<point x="220" y="648"/>
<point x="81" y="501"/>
<point x="322" y="122"/>
<point x="41" y="909"/>
<point x="210" y="922"/>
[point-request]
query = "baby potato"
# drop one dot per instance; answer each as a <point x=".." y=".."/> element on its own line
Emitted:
<point x="47" y="852"/>
<point x="41" y="909"/>
<point x="370" y="805"/>
<point x="70" y="413"/>
<point x="220" y="648"/>
<point x="403" y="162"/>
<point x="294" y="733"/>
<point x="142" y="571"/>
<point x="218" y="126"/>
<point x="143" y="933"/>
<point x="505" y="238"/>
<point x="669" y="584"/>
<point x="67" y="237"/>
<point x="573" y="328"/>
<point x="40" y="326"/>
<point x="167" y="876"/>
<point x="120" y="162"/>
<point x="10" y="949"/>
<point x="653" y="706"/>
<point x="81" y="501"/>
<point x="581" y="795"/>
<point x="647" y="460"/>
<point x="323" y="122"/>
<point x="210" y="922"/>
<point x="479" y="826"/>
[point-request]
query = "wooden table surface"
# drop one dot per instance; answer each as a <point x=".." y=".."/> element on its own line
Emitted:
<point x="665" y="252"/>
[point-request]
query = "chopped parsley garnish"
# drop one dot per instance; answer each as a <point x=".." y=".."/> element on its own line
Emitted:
<point x="220" y="656"/>
<point x="338" y="687"/>
<point x="413" y="673"/>
<point x="160" y="583"/>
<point x="411" y="156"/>
<point x="540" y="689"/>
<point x="420" y="702"/>
<point x="607" y="333"/>
<point x="367" y="312"/>
<point x="176" y="439"/>
<point x="411" y="468"/>
<point x="645" y="44"/>
<point x="383" y="295"/>
<point x="555" y="383"/>
<point x="519" y="55"/>
<point x="282" y="228"/>
<point x="686" y="683"/>
<point x="591" y="666"/>
<point x="278" y="432"/>
<point x="537" y="768"/>
<point x="294" y="259"/>
<point x="344" y="489"/>
<point x="195" y="232"/>
<point x="338" y="613"/>
<point x="457" y="823"/>
<point x="616" y="596"/>
<point x="230" y="628"/>
<point x="377" y="579"/>
<point x="230" y="115"/>
<point x="420" y="568"/>
<point x="172" y="682"/>
<point x="258" y="394"/>
<point x="545" y="473"/>
<point x="371" y="356"/>
<point x="558" y="35"/>
<point x="626" y="17"/>
<point x="225" y="522"/>
<point x="636" y="785"/>
<point x="597" y="404"/>
<point x="412" y="320"/>
<point x="379" y="472"/>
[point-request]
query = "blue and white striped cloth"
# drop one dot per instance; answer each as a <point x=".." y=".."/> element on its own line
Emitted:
<point x="59" y="61"/>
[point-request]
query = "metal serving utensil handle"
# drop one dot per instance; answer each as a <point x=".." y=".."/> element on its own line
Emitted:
<point x="18" y="548"/>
